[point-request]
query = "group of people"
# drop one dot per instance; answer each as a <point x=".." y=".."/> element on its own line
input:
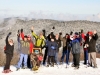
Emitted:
<point x="71" y="43"/>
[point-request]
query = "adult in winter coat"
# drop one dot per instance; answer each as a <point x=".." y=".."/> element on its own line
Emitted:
<point x="57" y="39"/>
<point x="46" y="50"/>
<point x="52" y="49"/>
<point x="9" y="53"/>
<point x="23" y="53"/>
<point x="40" y="40"/>
<point x="65" y="48"/>
<point x="76" y="52"/>
<point x="91" y="43"/>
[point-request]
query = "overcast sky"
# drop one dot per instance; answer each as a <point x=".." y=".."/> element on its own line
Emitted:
<point x="53" y="9"/>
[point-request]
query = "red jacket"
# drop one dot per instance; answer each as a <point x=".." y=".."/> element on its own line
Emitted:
<point x="83" y="36"/>
<point x="22" y="35"/>
<point x="31" y="47"/>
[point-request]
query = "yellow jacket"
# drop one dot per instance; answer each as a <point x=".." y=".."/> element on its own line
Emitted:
<point x="40" y="42"/>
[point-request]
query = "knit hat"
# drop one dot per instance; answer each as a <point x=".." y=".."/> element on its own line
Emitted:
<point x="90" y="33"/>
<point x="76" y="33"/>
<point x="25" y="36"/>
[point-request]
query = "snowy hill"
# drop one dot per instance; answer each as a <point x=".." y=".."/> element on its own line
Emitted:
<point x="60" y="70"/>
<point x="13" y="24"/>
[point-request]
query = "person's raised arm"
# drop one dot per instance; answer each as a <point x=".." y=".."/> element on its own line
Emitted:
<point x="95" y="35"/>
<point x="34" y="35"/>
<point x="8" y="37"/>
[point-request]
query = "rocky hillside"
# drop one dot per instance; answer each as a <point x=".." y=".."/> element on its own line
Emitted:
<point x="13" y="24"/>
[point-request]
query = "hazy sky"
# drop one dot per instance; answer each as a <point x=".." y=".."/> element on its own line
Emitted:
<point x="75" y="7"/>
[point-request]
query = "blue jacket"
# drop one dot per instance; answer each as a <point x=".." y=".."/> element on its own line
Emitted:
<point x="52" y="48"/>
<point x="75" y="46"/>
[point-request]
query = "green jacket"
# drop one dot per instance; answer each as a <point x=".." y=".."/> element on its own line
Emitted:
<point x="40" y="42"/>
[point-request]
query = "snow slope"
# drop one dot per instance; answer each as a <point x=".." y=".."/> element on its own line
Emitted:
<point x="57" y="71"/>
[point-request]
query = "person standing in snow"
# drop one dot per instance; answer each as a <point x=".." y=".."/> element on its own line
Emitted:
<point x="52" y="49"/>
<point x="91" y="43"/>
<point x="57" y="39"/>
<point x="76" y="52"/>
<point x="66" y="48"/>
<point x="24" y="49"/>
<point x="46" y="50"/>
<point x="9" y="49"/>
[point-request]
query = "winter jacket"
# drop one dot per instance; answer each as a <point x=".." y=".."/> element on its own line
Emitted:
<point x="9" y="48"/>
<point x="31" y="46"/>
<point x="24" y="47"/>
<point x="75" y="46"/>
<point x="22" y="35"/>
<point x="92" y="43"/>
<point x="40" y="42"/>
<point x="65" y="43"/>
<point x="52" y="48"/>
<point x="83" y="36"/>
<point x="58" y="43"/>
<point x="63" y="39"/>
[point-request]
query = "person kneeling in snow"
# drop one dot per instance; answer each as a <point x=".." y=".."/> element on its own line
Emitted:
<point x="36" y="60"/>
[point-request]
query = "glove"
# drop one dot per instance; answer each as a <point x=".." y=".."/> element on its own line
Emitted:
<point x="9" y="34"/>
<point x="21" y="30"/>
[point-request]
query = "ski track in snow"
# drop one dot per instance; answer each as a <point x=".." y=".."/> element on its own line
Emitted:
<point x="61" y="70"/>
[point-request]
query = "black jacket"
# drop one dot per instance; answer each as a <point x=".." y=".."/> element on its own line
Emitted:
<point x="92" y="43"/>
<point x="58" y="44"/>
<point x="9" y="48"/>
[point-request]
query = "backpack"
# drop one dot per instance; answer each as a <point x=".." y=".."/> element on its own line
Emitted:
<point x="4" y="48"/>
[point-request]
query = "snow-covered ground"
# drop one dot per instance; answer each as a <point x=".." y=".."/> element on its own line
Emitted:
<point x="60" y="70"/>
